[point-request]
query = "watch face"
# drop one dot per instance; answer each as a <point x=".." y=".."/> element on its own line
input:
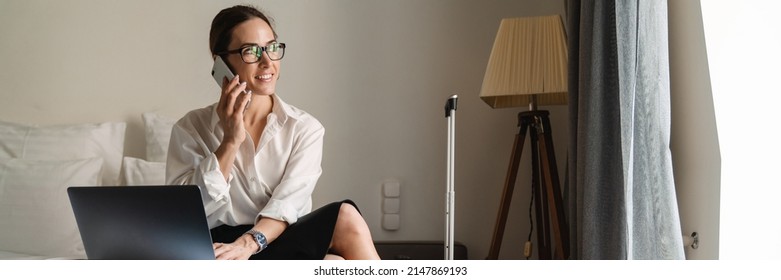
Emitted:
<point x="260" y="239"/>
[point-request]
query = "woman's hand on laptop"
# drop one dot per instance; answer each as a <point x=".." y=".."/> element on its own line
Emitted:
<point x="241" y="249"/>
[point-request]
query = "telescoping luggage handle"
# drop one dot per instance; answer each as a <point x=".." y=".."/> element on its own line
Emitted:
<point x="450" y="114"/>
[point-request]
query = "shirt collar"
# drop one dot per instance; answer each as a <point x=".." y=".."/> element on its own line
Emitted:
<point x="280" y="110"/>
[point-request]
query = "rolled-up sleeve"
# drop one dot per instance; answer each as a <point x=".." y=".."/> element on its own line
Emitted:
<point x="191" y="162"/>
<point x="292" y="197"/>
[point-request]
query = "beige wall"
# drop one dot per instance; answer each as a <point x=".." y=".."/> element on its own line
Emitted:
<point x="376" y="74"/>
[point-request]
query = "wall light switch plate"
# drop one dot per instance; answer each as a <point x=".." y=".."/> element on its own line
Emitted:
<point x="391" y="189"/>
<point x="391" y="205"/>
<point x="391" y="221"/>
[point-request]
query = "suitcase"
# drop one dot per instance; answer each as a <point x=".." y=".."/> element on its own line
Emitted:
<point x="450" y="193"/>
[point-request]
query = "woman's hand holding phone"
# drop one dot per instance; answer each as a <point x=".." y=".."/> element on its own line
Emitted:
<point x="234" y="100"/>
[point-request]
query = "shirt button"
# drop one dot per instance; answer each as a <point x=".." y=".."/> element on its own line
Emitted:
<point x="253" y="179"/>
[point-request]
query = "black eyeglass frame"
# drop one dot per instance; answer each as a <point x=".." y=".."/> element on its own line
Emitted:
<point x="262" y="51"/>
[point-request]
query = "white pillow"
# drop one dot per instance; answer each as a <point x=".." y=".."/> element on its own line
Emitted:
<point x="35" y="213"/>
<point x="136" y="171"/>
<point x="67" y="142"/>
<point x="158" y="134"/>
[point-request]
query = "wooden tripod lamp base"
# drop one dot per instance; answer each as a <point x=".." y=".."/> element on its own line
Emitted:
<point x="551" y="224"/>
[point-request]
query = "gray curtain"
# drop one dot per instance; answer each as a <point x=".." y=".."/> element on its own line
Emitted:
<point x="620" y="190"/>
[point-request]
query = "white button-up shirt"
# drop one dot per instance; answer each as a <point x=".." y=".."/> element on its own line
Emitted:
<point x="274" y="181"/>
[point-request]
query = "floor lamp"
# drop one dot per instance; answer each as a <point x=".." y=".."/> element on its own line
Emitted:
<point x="528" y="67"/>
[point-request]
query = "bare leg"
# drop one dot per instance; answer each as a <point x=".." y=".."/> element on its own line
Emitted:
<point x="333" y="257"/>
<point x="352" y="239"/>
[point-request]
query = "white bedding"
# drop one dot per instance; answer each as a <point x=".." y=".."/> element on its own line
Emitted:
<point x="38" y="163"/>
<point x="4" y="255"/>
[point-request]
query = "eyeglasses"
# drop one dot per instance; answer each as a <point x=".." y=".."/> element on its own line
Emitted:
<point x="251" y="53"/>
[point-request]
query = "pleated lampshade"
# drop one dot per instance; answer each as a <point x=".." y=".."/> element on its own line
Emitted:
<point x="528" y="58"/>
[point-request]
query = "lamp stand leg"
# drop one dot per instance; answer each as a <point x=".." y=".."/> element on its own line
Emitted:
<point x="554" y="201"/>
<point x="538" y="194"/>
<point x="507" y="193"/>
<point x="552" y="226"/>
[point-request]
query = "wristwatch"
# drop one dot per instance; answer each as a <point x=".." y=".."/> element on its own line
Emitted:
<point x="259" y="238"/>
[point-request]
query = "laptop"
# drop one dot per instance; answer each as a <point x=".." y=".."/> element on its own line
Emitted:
<point x="142" y="222"/>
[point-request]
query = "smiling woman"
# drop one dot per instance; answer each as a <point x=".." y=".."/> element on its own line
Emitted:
<point x="373" y="72"/>
<point x="259" y="159"/>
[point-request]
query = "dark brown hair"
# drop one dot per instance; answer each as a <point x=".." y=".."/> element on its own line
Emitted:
<point x="227" y="19"/>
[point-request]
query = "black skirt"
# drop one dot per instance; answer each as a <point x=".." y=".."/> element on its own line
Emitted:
<point x="306" y="239"/>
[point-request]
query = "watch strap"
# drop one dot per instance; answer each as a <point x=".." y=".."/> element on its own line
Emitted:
<point x="260" y="239"/>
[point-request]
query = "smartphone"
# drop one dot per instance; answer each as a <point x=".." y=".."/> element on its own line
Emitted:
<point x="221" y="70"/>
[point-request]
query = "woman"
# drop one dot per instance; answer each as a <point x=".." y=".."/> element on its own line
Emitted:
<point x="257" y="159"/>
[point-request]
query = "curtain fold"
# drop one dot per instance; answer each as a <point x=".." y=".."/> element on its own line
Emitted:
<point x="620" y="188"/>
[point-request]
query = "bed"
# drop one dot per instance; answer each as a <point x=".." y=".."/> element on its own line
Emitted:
<point x="38" y="163"/>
